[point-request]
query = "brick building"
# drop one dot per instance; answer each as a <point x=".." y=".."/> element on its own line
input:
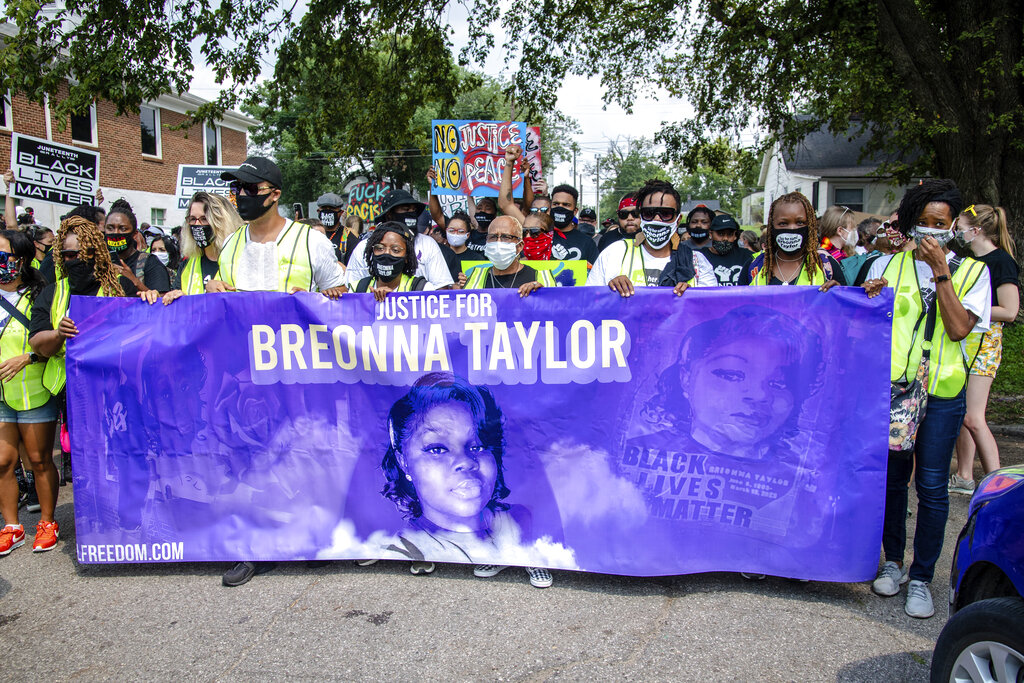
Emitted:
<point x="139" y="154"/>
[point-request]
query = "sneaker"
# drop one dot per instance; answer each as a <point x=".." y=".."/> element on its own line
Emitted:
<point x="486" y="571"/>
<point x="539" y="577"/>
<point x="32" y="502"/>
<point x="47" y="534"/>
<point x="11" y="536"/>
<point x="242" y="572"/>
<point x="753" y="577"/>
<point x="958" y="484"/>
<point x="919" y="600"/>
<point x="890" y="578"/>
<point x="366" y="563"/>
<point x="418" y="567"/>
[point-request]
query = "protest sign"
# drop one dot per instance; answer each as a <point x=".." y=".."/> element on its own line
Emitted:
<point x="566" y="273"/>
<point x="532" y="153"/>
<point x="450" y="203"/>
<point x="192" y="179"/>
<point x="364" y="200"/>
<point x="469" y="156"/>
<point x="731" y="429"/>
<point x="51" y="172"/>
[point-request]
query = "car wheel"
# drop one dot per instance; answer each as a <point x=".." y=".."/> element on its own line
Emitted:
<point x="982" y="642"/>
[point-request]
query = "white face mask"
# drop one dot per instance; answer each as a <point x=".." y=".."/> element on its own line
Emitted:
<point x="501" y="254"/>
<point x="457" y="240"/>
<point x="162" y="256"/>
<point x="657" y="233"/>
<point x="851" y="237"/>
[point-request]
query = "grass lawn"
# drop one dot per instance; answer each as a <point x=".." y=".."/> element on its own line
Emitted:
<point x="1006" y="405"/>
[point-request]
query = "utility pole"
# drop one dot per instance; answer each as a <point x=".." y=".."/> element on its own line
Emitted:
<point x="598" y="193"/>
<point x="575" y="180"/>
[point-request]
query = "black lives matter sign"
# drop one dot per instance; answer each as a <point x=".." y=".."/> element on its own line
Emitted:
<point x="51" y="172"/>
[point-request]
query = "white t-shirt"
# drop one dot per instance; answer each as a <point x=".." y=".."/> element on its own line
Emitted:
<point x="12" y="298"/>
<point x="614" y="261"/>
<point x="257" y="268"/>
<point x="431" y="263"/>
<point x="978" y="299"/>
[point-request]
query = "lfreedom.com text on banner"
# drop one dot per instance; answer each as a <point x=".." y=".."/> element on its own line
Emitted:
<point x="733" y="429"/>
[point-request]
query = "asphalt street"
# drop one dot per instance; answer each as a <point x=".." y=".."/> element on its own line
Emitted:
<point x="63" y="621"/>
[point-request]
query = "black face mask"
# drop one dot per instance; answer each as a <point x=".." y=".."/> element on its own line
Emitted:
<point x="586" y="228"/>
<point x="81" y="275"/>
<point x="386" y="266"/>
<point x="202" y="234"/>
<point x="118" y="243"/>
<point x="331" y="219"/>
<point x="484" y="220"/>
<point x="722" y="247"/>
<point x="561" y="216"/>
<point x="698" y="235"/>
<point x="251" y="208"/>
<point x="787" y="240"/>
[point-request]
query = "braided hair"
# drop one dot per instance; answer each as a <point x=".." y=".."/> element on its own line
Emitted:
<point x="810" y="246"/>
<point x="122" y="206"/>
<point x="89" y="237"/>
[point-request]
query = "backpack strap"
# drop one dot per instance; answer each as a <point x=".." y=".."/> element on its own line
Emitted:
<point x="417" y="284"/>
<point x="364" y="284"/>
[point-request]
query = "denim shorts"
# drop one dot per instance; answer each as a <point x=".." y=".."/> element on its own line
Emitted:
<point x="44" y="413"/>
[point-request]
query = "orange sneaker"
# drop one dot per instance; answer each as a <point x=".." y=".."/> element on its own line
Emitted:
<point x="47" y="534"/>
<point x="11" y="537"/>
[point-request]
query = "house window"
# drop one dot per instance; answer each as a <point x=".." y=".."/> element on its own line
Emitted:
<point x="211" y="142"/>
<point x="7" y="121"/>
<point x="149" y="122"/>
<point x="850" y="197"/>
<point x="156" y="216"/>
<point x="83" y="126"/>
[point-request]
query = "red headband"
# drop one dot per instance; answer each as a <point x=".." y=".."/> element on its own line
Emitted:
<point x="627" y="203"/>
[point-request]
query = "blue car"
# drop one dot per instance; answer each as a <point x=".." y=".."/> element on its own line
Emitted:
<point x="984" y="637"/>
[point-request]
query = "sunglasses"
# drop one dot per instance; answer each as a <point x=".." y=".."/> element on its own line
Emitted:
<point x="538" y="209"/>
<point x="5" y="257"/>
<point x="628" y="213"/>
<point x="248" y="189"/>
<point x="653" y="213"/>
<point x="72" y="254"/>
<point x="532" y="232"/>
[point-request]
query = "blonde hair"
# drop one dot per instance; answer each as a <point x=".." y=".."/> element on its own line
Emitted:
<point x="223" y="218"/>
<point x="833" y="219"/>
<point x="992" y="222"/>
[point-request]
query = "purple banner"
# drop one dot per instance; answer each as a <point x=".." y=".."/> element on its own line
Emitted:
<point x="732" y="429"/>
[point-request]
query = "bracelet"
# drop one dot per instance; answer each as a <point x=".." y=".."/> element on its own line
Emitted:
<point x="941" y="278"/>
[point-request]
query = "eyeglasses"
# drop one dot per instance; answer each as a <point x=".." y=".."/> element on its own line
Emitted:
<point x="628" y="213"/>
<point x="458" y="232"/>
<point x="653" y="213"/>
<point x="503" y="237"/>
<point x="201" y="220"/>
<point x="380" y="250"/>
<point x="533" y="232"/>
<point x="248" y="189"/>
<point x="539" y="209"/>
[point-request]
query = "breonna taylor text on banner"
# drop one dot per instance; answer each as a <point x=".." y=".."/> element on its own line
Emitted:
<point x="469" y="156"/>
<point x="192" y="179"/>
<point x="734" y="429"/>
<point x="51" y="172"/>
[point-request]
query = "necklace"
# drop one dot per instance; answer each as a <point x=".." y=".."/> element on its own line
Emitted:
<point x="494" y="279"/>
<point x="788" y="279"/>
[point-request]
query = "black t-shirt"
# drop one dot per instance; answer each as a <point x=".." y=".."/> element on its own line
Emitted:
<point x="575" y="246"/>
<point x="452" y="260"/>
<point x="513" y="281"/>
<point x="1001" y="270"/>
<point x="47" y="269"/>
<point x="206" y="266"/>
<point x="154" y="274"/>
<point x="476" y="243"/>
<point x="608" y="237"/>
<point x="40" y="320"/>
<point x="837" y="274"/>
<point x="727" y="267"/>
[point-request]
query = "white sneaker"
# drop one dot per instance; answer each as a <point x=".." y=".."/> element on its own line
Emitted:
<point x="919" y="600"/>
<point x="958" y="484"/>
<point x="486" y="571"/>
<point x="890" y="578"/>
<point x="539" y="577"/>
<point x="753" y="577"/>
<point x="420" y="567"/>
<point x="365" y="563"/>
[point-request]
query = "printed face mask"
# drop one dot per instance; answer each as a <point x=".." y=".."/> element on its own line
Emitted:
<point x="162" y="256"/>
<point x="457" y="240"/>
<point x="330" y="219"/>
<point x="538" y="247"/>
<point x="501" y="254"/>
<point x="386" y="266"/>
<point x="117" y="243"/>
<point x="961" y="237"/>
<point x="484" y="220"/>
<point x="722" y="247"/>
<point x="561" y="216"/>
<point x="10" y="270"/>
<point x="657" y="233"/>
<point x="941" y="235"/>
<point x="698" y="234"/>
<point x="202" y="234"/>
<point x="790" y="241"/>
<point x="251" y="208"/>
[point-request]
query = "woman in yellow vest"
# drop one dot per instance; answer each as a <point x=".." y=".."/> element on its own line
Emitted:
<point x="923" y="275"/>
<point x="391" y="259"/>
<point x="791" y="256"/>
<point x="28" y="413"/>
<point x="210" y="221"/>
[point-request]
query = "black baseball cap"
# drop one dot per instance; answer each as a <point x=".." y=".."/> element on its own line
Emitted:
<point x="724" y="221"/>
<point x="255" y="169"/>
<point x="589" y="214"/>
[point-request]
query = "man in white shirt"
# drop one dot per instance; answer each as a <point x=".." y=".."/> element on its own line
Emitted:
<point x="399" y="205"/>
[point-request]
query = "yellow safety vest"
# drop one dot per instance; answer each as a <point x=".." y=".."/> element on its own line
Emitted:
<point x="192" y="276"/>
<point x="478" y="277"/>
<point x="405" y="285"/>
<point x="948" y="364"/>
<point x="25" y="390"/>
<point x="294" y="263"/>
<point x="763" y="277"/>
<point x="55" y="373"/>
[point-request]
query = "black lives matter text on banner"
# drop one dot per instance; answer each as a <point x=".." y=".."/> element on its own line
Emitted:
<point x="51" y="172"/>
<point x="192" y="179"/>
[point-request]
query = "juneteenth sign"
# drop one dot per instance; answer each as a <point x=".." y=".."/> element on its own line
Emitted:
<point x="732" y="429"/>
<point x="469" y="156"/>
<point x="51" y="172"/>
<point x="192" y="179"/>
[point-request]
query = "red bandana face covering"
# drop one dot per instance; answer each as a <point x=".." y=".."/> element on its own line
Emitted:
<point x="538" y="248"/>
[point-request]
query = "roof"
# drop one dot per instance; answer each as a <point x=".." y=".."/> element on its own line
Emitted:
<point x="829" y="154"/>
<point x="692" y="204"/>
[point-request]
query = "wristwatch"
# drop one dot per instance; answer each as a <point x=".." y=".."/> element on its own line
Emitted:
<point x="34" y="357"/>
<point x="941" y="278"/>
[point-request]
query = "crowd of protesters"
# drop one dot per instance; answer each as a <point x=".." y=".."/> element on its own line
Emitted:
<point x="247" y="244"/>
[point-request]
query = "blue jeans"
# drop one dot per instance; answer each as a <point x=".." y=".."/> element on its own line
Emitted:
<point x="932" y="453"/>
